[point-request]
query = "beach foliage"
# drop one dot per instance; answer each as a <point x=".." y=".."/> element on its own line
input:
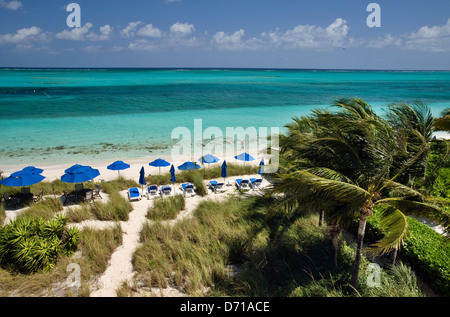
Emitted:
<point x="31" y="244"/>
<point x="238" y="248"/>
<point x="166" y="208"/>
<point x="349" y="161"/>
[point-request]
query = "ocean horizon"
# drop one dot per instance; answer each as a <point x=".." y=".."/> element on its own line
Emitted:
<point x="71" y="115"/>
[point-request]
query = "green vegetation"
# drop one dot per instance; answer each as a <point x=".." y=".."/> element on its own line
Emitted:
<point x="239" y="248"/>
<point x="94" y="248"/>
<point x="348" y="162"/>
<point x="116" y="209"/>
<point x="348" y="170"/>
<point x="28" y="245"/>
<point x="166" y="208"/>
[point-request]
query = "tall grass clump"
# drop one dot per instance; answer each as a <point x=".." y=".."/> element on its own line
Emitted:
<point x="2" y="214"/>
<point x="31" y="244"/>
<point x="45" y="209"/>
<point x="193" y="254"/>
<point x="117" y="208"/>
<point x="166" y="208"/>
<point x="210" y="172"/>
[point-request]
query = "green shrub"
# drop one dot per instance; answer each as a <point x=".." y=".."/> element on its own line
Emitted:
<point x="166" y="208"/>
<point x="31" y="244"/>
<point x="429" y="254"/>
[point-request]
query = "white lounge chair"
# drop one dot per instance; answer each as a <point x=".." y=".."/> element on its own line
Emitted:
<point x="243" y="184"/>
<point x="217" y="187"/>
<point x="152" y="191"/>
<point x="257" y="183"/>
<point x="188" y="189"/>
<point x="166" y="190"/>
<point x="134" y="194"/>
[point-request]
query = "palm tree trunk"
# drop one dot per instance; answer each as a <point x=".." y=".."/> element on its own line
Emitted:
<point x="334" y="233"/>
<point x="321" y="217"/>
<point x="394" y="256"/>
<point x="359" y="247"/>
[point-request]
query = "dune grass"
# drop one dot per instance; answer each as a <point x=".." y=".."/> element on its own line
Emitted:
<point x="166" y="208"/>
<point x="234" y="248"/>
<point x="94" y="250"/>
<point x="117" y="208"/>
<point x="210" y="172"/>
<point x="46" y="209"/>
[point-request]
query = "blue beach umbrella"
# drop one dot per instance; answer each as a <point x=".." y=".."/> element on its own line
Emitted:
<point x="79" y="174"/>
<point x="172" y="173"/>
<point x="244" y="157"/>
<point x="142" y="177"/>
<point x="224" y="169"/>
<point x="118" y="166"/>
<point x="159" y="163"/>
<point x="173" y="178"/>
<point x="187" y="166"/>
<point x="74" y="167"/>
<point x="21" y="179"/>
<point x="208" y="158"/>
<point x="261" y="167"/>
<point x="30" y="169"/>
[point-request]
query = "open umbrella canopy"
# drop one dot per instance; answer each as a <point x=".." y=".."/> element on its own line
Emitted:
<point x="159" y="163"/>
<point x="22" y="178"/>
<point x="244" y="157"/>
<point x="79" y="173"/>
<point x="118" y="166"/>
<point x="187" y="166"/>
<point x="208" y="158"/>
<point x="30" y="169"/>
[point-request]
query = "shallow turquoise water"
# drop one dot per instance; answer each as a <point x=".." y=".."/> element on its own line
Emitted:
<point x="69" y="115"/>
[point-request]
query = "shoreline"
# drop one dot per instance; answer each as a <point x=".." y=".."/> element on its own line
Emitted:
<point x="56" y="170"/>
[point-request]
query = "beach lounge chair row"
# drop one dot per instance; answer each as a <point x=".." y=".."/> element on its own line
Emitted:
<point x="247" y="184"/>
<point x="216" y="187"/>
<point x="152" y="191"/>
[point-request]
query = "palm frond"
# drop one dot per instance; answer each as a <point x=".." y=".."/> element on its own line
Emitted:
<point x="329" y="174"/>
<point x="397" y="223"/>
<point x="305" y="186"/>
<point x="401" y="190"/>
<point x="418" y="209"/>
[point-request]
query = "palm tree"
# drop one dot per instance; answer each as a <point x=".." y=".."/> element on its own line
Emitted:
<point x="414" y="126"/>
<point x="342" y="162"/>
<point x="443" y="123"/>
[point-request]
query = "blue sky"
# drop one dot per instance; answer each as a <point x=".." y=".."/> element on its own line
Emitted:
<point x="226" y="33"/>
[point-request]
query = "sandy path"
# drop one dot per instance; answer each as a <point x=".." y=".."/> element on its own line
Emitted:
<point x="120" y="268"/>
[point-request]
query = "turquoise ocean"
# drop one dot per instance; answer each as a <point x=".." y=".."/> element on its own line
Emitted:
<point x="54" y="116"/>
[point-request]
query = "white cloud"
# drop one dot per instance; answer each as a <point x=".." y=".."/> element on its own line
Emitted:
<point x="24" y="35"/>
<point x="75" y="34"/>
<point x="235" y="41"/>
<point x="182" y="28"/>
<point x="431" y="39"/>
<point x="387" y="40"/>
<point x="130" y="29"/>
<point x="310" y="36"/>
<point x="11" y="5"/>
<point x="106" y="32"/>
<point x="142" y="45"/>
<point x="150" y="31"/>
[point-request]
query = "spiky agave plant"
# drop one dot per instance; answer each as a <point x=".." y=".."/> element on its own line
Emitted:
<point x="29" y="245"/>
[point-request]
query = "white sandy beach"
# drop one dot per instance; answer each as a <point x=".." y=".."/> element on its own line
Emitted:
<point x="120" y="268"/>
